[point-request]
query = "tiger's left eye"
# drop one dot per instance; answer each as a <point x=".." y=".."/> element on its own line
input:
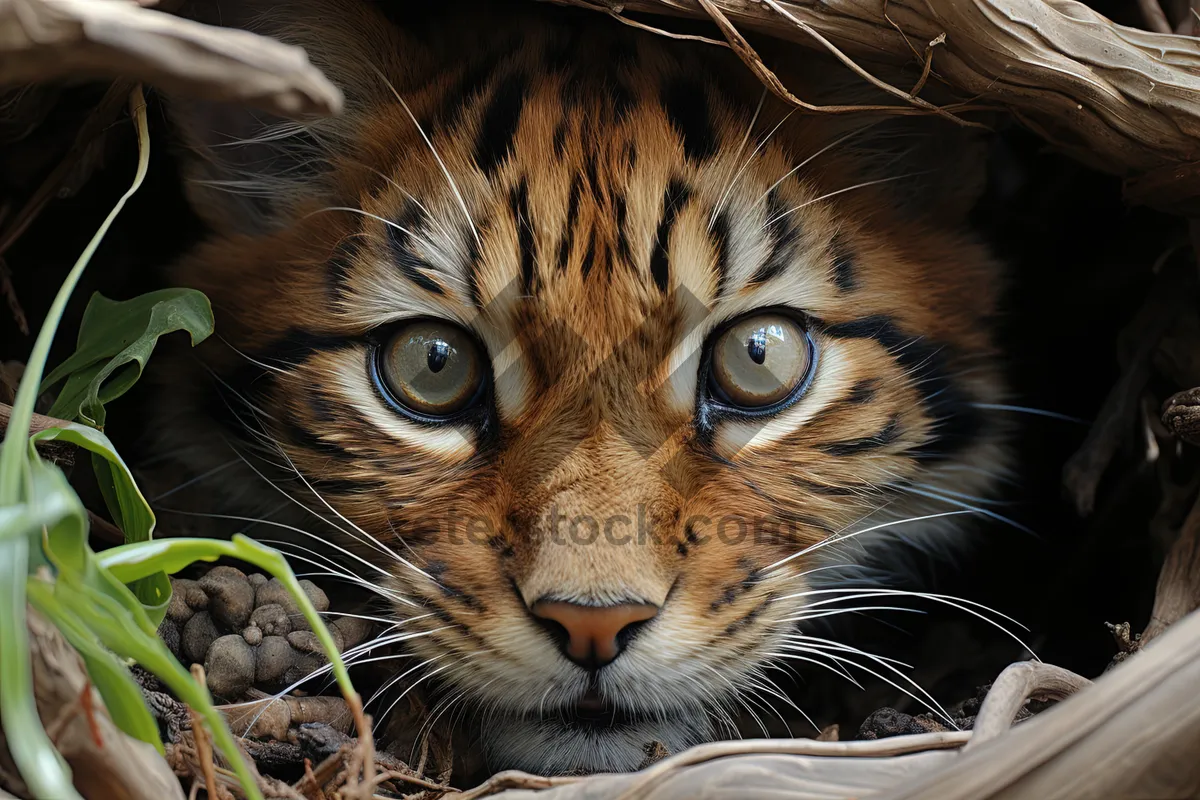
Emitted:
<point x="759" y="361"/>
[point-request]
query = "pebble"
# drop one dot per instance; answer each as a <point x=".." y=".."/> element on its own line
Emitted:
<point x="229" y="667"/>
<point x="272" y="659"/>
<point x="273" y="619"/>
<point x="230" y="596"/>
<point x="198" y="635"/>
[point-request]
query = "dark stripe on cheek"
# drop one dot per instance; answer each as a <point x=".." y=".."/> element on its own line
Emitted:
<point x="621" y="212"/>
<point x="890" y="433"/>
<point x="589" y="256"/>
<point x="568" y="239"/>
<point x="784" y="235"/>
<point x="863" y="391"/>
<point x="500" y="120"/>
<point x="720" y="235"/>
<point x="400" y="242"/>
<point x="956" y="422"/>
<point x="686" y="105"/>
<point x="308" y="440"/>
<point x="518" y="203"/>
<point x="472" y="270"/>
<point x="297" y="346"/>
<point x="845" y="272"/>
<point x="340" y="265"/>
<point x="674" y="199"/>
<point x="560" y="140"/>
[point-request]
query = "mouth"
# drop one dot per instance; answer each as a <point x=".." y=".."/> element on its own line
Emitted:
<point x="594" y="712"/>
<point x="592" y="734"/>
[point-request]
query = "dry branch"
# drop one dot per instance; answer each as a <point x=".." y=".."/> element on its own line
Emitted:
<point x="45" y="40"/>
<point x="1178" y="590"/>
<point x="1016" y="685"/>
<point x="1121" y="100"/>
<point x="1133" y="733"/>
<point x="107" y="764"/>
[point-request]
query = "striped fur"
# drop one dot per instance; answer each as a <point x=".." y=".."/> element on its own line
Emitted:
<point x="591" y="201"/>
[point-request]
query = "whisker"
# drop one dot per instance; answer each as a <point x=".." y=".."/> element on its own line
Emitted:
<point x="712" y="218"/>
<point x="449" y="178"/>
<point x="192" y="481"/>
<point x="928" y="701"/>
<point x="960" y="603"/>
<point x="1039" y="412"/>
<point x="971" y="508"/>
<point x="828" y="195"/>
<point x="843" y="537"/>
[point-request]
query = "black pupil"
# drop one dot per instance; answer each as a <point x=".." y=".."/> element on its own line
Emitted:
<point x="439" y="352"/>
<point x="757" y="346"/>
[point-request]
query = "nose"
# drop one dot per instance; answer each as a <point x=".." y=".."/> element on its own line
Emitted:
<point x="594" y="635"/>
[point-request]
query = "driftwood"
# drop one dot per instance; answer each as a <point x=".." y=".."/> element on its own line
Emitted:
<point x="1120" y="100"/>
<point x="44" y="40"/>
<point x="107" y="764"/>
<point x="1134" y="733"/>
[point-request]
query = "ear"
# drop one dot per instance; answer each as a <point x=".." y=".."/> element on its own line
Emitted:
<point x="930" y="162"/>
<point x="242" y="169"/>
<point x="939" y="166"/>
<point x="246" y="171"/>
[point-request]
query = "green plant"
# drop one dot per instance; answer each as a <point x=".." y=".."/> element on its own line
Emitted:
<point x="107" y="605"/>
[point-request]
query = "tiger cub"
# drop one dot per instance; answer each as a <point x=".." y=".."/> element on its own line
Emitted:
<point x="586" y="355"/>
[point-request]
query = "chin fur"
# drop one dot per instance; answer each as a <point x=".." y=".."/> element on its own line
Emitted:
<point x="557" y="747"/>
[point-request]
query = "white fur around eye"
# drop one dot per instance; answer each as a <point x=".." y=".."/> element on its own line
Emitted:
<point x="349" y="375"/>
<point x="832" y="381"/>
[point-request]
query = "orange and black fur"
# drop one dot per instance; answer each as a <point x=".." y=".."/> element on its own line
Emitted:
<point x="600" y="547"/>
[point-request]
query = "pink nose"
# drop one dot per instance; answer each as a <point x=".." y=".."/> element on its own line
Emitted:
<point x="593" y="633"/>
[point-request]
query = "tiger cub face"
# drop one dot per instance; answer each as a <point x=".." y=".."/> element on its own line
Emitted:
<point x="586" y="355"/>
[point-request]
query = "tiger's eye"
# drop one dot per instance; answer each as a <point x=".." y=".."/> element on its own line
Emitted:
<point x="760" y="360"/>
<point x="432" y="367"/>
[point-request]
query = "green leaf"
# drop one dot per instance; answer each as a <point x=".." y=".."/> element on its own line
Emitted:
<point x="122" y="696"/>
<point x="132" y="512"/>
<point x="130" y="508"/>
<point x="115" y="339"/>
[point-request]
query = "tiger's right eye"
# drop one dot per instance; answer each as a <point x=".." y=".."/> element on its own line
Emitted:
<point x="433" y="368"/>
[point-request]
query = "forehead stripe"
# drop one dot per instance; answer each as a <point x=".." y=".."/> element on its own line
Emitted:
<point x="518" y="204"/>
<point x="674" y="199"/>
<point x="500" y="119"/>
<point x="568" y="239"/>
<point x="400" y="240"/>
<point x="686" y="105"/>
<point x="784" y="235"/>
<point x="845" y="271"/>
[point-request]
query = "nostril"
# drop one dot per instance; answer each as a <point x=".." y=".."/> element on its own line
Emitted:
<point x="558" y="631"/>
<point x="592" y="636"/>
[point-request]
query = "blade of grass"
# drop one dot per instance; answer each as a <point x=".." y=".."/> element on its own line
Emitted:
<point x="36" y="759"/>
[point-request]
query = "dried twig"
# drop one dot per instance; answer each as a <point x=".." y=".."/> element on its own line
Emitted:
<point x="1013" y="688"/>
<point x="1178" y="590"/>
<point x="9" y="292"/>
<point x="751" y="59"/>
<point x="1168" y="296"/>
<point x="514" y="779"/>
<point x="204" y="750"/>
<point x="1118" y="99"/>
